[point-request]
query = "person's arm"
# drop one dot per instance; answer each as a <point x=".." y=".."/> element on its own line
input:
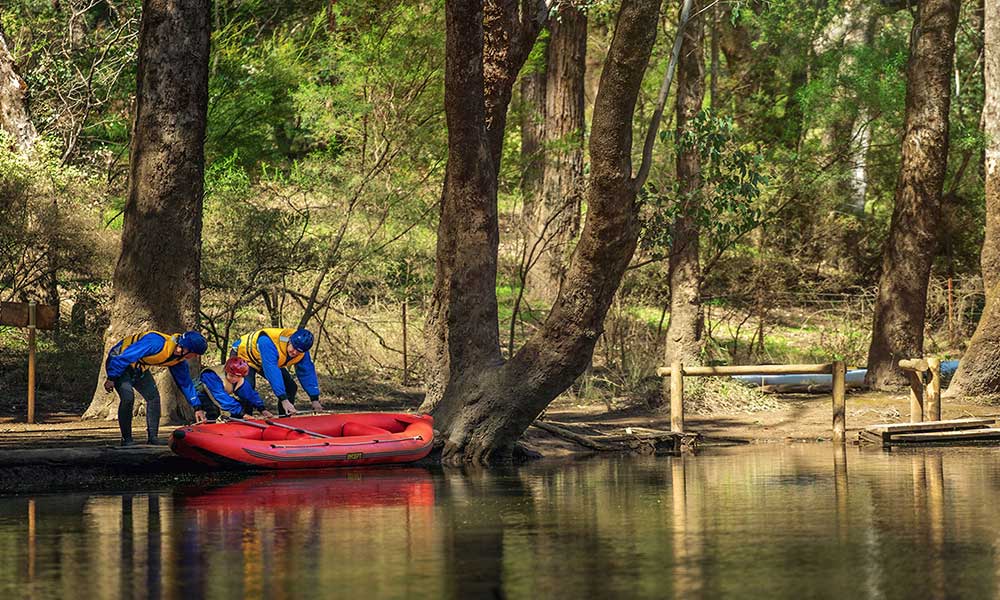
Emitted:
<point x="305" y="370"/>
<point x="272" y="372"/>
<point x="250" y="395"/>
<point x="147" y="345"/>
<point x="269" y="362"/>
<point x="218" y="390"/>
<point x="182" y="377"/>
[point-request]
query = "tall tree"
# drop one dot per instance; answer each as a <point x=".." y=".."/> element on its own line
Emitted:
<point x="898" y="329"/>
<point x="157" y="278"/>
<point x="15" y="120"/>
<point x="557" y="218"/>
<point x="979" y="371"/>
<point x="850" y="135"/>
<point x="481" y="403"/>
<point x="684" y="333"/>
<point x="532" y="149"/>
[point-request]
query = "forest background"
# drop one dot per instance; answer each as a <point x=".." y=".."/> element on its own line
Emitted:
<point x="325" y="152"/>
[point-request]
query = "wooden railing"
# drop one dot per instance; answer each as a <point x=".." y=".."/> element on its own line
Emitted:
<point x="836" y="369"/>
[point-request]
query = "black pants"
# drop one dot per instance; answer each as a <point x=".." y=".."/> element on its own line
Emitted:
<point x="126" y="385"/>
<point x="290" y="387"/>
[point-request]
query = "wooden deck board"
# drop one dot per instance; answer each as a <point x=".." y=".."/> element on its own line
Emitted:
<point x="897" y="428"/>
<point x="944" y="436"/>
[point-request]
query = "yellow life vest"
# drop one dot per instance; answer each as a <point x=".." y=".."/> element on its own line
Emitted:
<point x="247" y="349"/>
<point x="163" y="358"/>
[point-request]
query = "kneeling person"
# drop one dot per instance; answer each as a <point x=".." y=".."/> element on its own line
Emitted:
<point x="225" y="387"/>
<point x="271" y="351"/>
<point x="127" y="368"/>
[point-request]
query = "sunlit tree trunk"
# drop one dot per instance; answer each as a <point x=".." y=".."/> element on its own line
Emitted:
<point x="898" y="329"/>
<point x="532" y="150"/>
<point x="487" y="403"/>
<point x="157" y="279"/>
<point x="557" y="220"/>
<point x="15" y="120"/>
<point x="848" y="138"/>
<point x="684" y="333"/>
<point x="979" y="371"/>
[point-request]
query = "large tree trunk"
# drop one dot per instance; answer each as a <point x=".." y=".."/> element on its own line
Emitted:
<point x="979" y="371"/>
<point x="157" y="279"/>
<point x="486" y="46"/>
<point x="15" y="120"/>
<point x="486" y="404"/>
<point x="557" y="221"/>
<point x="684" y="333"/>
<point x="898" y="330"/>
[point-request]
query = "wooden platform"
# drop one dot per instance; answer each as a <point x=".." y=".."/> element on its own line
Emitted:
<point x="954" y="431"/>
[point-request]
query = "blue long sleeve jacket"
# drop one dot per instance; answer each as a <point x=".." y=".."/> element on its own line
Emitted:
<point x="233" y="406"/>
<point x="147" y="345"/>
<point x="304" y="370"/>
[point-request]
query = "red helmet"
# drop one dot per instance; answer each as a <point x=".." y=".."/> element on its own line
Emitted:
<point x="237" y="366"/>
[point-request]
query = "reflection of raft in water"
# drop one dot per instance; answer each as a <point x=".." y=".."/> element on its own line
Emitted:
<point x="320" y="441"/>
<point x="405" y="486"/>
<point x="854" y="378"/>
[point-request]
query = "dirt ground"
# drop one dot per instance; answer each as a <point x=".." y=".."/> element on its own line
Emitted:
<point x="798" y="418"/>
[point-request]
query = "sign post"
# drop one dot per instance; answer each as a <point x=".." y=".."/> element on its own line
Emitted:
<point x="34" y="317"/>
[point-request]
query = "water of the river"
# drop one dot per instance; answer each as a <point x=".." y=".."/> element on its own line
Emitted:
<point x="799" y="521"/>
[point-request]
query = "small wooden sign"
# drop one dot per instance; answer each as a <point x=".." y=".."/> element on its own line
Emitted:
<point x="16" y="314"/>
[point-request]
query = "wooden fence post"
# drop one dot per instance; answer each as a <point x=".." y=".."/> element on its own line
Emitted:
<point x="934" y="389"/>
<point x="839" y="372"/>
<point x="916" y="380"/>
<point x="31" y="362"/>
<point x="406" y="365"/>
<point x="677" y="397"/>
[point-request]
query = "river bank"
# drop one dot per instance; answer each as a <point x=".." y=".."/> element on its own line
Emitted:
<point x="65" y="453"/>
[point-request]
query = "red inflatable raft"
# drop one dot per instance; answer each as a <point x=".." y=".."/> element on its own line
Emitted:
<point x="309" y="442"/>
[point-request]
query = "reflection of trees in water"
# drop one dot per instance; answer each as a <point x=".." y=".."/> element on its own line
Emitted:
<point x="781" y="523"/>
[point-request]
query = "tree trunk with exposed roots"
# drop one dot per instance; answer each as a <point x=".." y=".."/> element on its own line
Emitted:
<point x="898" y="329"/>
<point x="157" y="278"/>
<point x="481" y="403"/>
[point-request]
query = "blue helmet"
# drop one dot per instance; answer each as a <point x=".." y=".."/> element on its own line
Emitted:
<point x="192" y="341"/>
<point x="302" y="340"/>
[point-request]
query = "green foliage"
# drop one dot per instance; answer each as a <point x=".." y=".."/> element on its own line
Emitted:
<point x="50" y="231"/>
<point x="725" y="204"/>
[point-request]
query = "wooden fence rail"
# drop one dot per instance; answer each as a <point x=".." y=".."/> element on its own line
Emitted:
<point x="836" y="369"/>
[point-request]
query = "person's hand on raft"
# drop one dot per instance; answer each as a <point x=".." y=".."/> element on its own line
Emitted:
<point x="289" y="407"/>
<point x="200" y="416"/>
<point x="317" y="406"/>
<point x="267" y="414"/>
<point x="108" y="385"/>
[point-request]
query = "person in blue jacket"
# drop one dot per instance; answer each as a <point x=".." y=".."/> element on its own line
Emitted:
<point x="127" y="368"/>
<point x="225" y="387"/>
<point x="271" y="351"/>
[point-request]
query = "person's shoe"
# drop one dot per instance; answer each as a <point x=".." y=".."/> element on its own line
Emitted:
<point x="155" y="442"/>
<point x="128" y="442"/>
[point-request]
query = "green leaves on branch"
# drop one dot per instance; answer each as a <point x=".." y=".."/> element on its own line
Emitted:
<point x="725" y="204"/>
